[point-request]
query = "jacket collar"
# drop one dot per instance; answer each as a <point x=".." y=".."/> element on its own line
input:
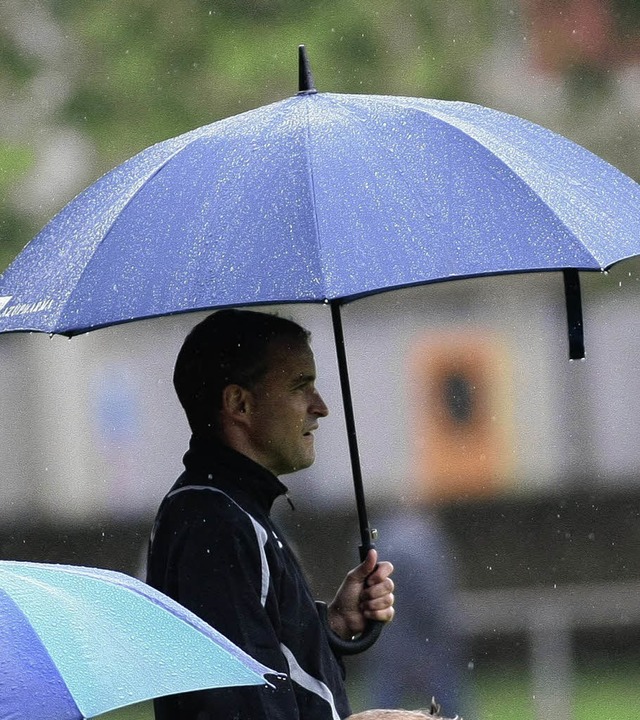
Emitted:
<point x="229" y="470"/>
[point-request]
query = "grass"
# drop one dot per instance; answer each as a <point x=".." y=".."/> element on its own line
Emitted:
<point x="608" y="691"/>
<point x="141" y="711"/>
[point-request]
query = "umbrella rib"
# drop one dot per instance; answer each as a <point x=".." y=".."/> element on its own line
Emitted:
<point x="312" y="190"/>
<point x="186" y="140"/>
<point x="438" y="117"/>
<point x="132" y="585"/>
<point x="374" y="140"/>
<point x="519" y="178"/>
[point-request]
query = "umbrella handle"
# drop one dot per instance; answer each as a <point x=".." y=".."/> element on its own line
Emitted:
<point x="366" y="638"/>
<point x="350" y="647"/>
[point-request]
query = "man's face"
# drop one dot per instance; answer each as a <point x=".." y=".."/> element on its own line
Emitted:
<point x="285" y="409"/>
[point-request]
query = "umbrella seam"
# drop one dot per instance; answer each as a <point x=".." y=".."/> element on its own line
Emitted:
<point x="126" y="582"/>
<point x="436" y="115"/>
<point x="519" y="177"/>
<point x="42" y="645"/>
<point x="373" y="139"/>
<point x="141" y="185"/>
<point x="312" y="185"/>
<point x="183" y="141"/>
<point x="439" y="118"/>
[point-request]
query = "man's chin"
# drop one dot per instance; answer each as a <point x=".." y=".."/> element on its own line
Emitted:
<point x="301" y="464"/>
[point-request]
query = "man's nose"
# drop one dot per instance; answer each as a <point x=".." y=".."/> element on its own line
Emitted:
<point x="319" y="406"/>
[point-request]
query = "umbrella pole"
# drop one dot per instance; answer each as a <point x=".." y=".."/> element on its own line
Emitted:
<point x="367" y="535"/>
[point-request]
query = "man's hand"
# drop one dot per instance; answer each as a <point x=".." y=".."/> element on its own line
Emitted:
<point x="366" y="594"/>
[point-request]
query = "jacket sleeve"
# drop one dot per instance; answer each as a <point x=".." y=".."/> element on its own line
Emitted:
<point x="222" y="576"/>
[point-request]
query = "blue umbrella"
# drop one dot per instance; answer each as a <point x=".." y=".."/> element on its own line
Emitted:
<point x="324" y="197"/>
<point x="77" y="642"/>
<point x="321" y="197"/>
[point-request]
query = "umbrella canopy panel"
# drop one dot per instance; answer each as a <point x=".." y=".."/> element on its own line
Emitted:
<point x="79" y="642"/>
<point x="320" y="197"/>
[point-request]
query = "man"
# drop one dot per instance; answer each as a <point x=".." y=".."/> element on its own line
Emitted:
<point x="246" y="381"/>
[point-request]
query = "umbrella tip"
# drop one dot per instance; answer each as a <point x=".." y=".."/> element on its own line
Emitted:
<point x="306" y="83"/>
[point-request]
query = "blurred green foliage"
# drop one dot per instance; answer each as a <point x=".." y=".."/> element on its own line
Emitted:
<point x="17" y="66"/>
<point x="158" y="68"/>
<point x="627" y="16"/>
<point x="134" y="72"/>
<point x="145" y="70"/>
<point x="15" y="161"/>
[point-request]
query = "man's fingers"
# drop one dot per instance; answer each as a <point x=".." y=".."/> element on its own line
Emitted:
<point x="386" y="587"/>
<point x="378" y="603"/>
<point x="366" y="567"/>
<point x="366" y="594"/>
<point x="385" y="614"/>
<point x="369" y="563"/>
<point x="380" y="574"/>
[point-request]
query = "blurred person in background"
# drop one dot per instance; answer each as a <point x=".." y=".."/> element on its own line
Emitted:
<point x="423" y="654"/>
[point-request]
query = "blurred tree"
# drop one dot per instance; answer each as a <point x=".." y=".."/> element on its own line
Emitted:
<point x="15" y="161"/>
<point x="16" y="158"/>
<point x="140" y="71"/>
<point x="155" y="68"/>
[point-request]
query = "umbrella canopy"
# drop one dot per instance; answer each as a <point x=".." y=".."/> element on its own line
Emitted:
<point x="77" y="642"/>
<point x="320" y="197"/>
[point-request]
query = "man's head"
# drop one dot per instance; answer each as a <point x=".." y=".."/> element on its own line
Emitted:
<point x="398" y="715"/>
<point x="248" y="378"/>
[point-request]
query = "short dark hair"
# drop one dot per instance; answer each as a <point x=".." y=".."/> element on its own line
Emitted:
<point x="227" y="347"/>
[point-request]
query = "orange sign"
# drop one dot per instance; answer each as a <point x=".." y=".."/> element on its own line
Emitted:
<point x="460" y="390"/>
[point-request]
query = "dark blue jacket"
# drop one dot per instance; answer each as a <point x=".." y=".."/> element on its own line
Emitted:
<point x="215" y="549"/>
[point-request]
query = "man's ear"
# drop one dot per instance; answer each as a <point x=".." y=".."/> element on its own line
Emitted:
<point x="236" y="403"/>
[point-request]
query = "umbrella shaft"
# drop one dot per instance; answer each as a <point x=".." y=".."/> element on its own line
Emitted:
<point x="365" y="531"/>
